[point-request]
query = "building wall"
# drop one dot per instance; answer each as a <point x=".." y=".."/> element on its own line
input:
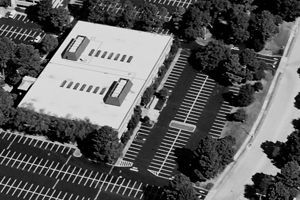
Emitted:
<point x="148" y="82"/>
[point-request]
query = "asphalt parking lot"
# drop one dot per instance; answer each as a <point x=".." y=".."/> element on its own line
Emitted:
<point x="34" y="169"/>
<point x="20" y="29"/>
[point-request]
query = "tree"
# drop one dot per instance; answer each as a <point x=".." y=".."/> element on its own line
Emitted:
<point x="212" y="156"/>
<point x="103" y="145"/>
<point x="42" y="11"/>
<point x="234" y="28"/>
<point x="297" y="101"/>
<point x="5" y="3"/>
<point x="127" y="17"/>
<point x="240" y="115"/>
<point x="27" y="60"/>
<point x="163" y="93"/>
<point x="262" y="26"/>
<point x="277" y="191"/>
<point x="262" y="182"/>
<point x="180" y="188"/>
<point x="59" y="19"/>
<point x="289" y="10"/>
<point x="148" y="19"/>
<point x="290" y="176"/>
<point x="245" y="96"/>
<point x="7" y="48"/>
<point x="247" y="57"/>
<point x="48" y="44"/>
<point x="258" y="86"/>
<point x="208" y="58"/>
<point x="147" y="95"/>
<point x="194" y="22"/>
<point x="6" y="107"/>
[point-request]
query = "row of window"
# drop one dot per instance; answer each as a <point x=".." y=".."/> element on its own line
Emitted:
<point x="82" y="87"/>
<point x="111" y="56"/>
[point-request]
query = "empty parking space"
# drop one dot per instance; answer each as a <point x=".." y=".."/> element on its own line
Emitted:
<point x="19" y="33"/>
<point x="20" y="139"/>
<point x="21" y="17"/>
<point x="221" y="117"/>
<point x="195" y="99"/>
<point x="176" y="72"/>
<point x="63" y="174"/>
<point x="173" y="3"/>
<point x="136" y="145"/>
<point x="25" y="190"/>
<point x="164" y="161"/>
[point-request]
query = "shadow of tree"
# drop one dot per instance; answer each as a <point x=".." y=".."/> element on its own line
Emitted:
<point x="185" y="162"/>
<point x="152" y="192"/>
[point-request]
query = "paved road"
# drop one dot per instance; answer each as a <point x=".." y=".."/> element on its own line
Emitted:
<point x="276" y="126"/>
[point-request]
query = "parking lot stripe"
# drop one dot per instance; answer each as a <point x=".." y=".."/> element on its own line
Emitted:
<point x="43" y="167"/>
<point x="16" y="188"/>
<point x="82" y="176"/>
<point x="126" y="187"/>
<point x="138" y="190"/>
<point x="98" y="181"/>
<point x="10" y="187"/>
<point x="132" y="189"/>
<point x="23" y="188"/>
<point x="16" y="160"/>
<point x="114" y="185"/>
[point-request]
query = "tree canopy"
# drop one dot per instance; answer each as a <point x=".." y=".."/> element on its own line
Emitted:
<point x="212" y="156"/>
<point x="51" y="19"/>
<point x="103" y="145"/>
<point x="179" y="188"/>
<point x="48" y="44"/>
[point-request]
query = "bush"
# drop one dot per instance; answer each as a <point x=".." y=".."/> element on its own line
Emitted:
<point x="146" y="98"/>
<point x="258" y="86"/>
<point x="240" y="115"/>
<point x="146" y="120"/>
<point x="163" y="94"/>
<point x="126" y="136"/>
<point x="245" y="96"/>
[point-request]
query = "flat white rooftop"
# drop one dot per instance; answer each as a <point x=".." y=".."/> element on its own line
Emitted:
<point x="57" y="90"/>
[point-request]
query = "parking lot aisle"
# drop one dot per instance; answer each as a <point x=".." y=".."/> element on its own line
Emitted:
<point x="124" y="187"/>
<point x="137" y="143"/>
<point x="15" y="138"/>
<point x="164" y="161"/>
<point x="221" y="117"/>
<point x="195" y="99"/>
<point x="176" y="71"/>
<point x="24" y="190"/>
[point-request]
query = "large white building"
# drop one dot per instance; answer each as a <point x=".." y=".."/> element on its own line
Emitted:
<point x="98" y="73"/>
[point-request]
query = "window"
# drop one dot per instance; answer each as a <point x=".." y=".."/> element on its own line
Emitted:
<point x="110" y="55"/>
<point x="123" y="58"/>
<point x="89" y="88"/>
<point x="96" y="90"/>
<point x="102" y="91"/>
<point x="104" y="54"/>
<point x="91" y="52"/>
<point x="76" y="86"/>
<point x="63" y="83"/>
<point x="82" y="87"/>
<point x="98" y="53"/>
<point x="117" y="56"/>
<point x="70" y="84"/>
<point x="129" y="59"/>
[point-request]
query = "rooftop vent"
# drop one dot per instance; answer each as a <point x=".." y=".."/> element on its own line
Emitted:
<point x="75" y="48"/>
<point x="117" y="92"/>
